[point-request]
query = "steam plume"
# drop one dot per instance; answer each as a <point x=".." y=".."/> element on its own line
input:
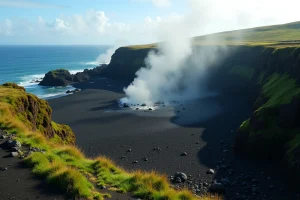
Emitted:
<point x="177" y="70"/>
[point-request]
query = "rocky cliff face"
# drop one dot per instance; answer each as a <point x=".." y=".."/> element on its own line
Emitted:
<point x="269" y="76"/>
<point x="33" y="112"/>
<point x="125" y="62"/>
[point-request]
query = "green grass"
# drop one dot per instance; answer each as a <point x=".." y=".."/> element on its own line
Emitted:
<point x="273" y="139"/>
<point x="284" y="34"/>
<point x="278" y="36"/>
<point x="280" y="89"/>
<point x="242" y="71"/>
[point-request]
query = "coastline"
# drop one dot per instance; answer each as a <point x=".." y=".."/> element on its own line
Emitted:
<point x="101" y="128"/>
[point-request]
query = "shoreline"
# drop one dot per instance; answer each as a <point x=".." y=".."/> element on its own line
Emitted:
<point x="113" y="133"/>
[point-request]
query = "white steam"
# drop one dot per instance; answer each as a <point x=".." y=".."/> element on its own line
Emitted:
<point x="177" y="70"/>
<point x="106" y="57"/>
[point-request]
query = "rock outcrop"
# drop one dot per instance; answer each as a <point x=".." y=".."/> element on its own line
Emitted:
<point x="59" y="77"/>
<point x="62" y="77"/>
<point x="126" y="61"/>
<point x="32" y="112"/>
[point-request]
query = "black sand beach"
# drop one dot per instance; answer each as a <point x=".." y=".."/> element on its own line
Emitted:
<point x="205" y="131"/>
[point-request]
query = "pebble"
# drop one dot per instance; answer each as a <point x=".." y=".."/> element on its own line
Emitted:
<point x="102" y="187"/>
<point x="3" y="136"/>
<point x="129" y="150"/>
<point x="217" y="187"/>
<point x="183" y="154"/>
<point x="157" y="149"/>
<point x="14" y="149"/>
<point x="210" y="171"/>
<point x="14" y="154"/>
<point x="135" y="162"/>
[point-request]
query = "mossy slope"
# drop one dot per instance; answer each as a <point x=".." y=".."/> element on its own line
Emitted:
<point x="273" y="130"/>
<point x="33" y="113"/>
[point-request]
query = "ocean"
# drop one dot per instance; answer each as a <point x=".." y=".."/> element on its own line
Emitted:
<point x="23" y="64"/>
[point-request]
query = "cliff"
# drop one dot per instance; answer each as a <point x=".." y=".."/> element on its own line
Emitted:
<point x="268" y="74"/>
<point x="126" y="61"/>
<point x="30" y="113"/>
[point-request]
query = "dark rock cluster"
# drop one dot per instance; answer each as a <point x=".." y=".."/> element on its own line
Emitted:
<point x="62" y="77"/>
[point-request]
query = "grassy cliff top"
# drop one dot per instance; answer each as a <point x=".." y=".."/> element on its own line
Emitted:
<point x="283" y="35"/>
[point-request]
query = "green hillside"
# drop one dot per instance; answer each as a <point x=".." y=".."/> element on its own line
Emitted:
<point x="284" y="34"/>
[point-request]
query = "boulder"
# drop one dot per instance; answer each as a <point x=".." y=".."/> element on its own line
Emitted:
<point x="12" y="143"/>
<point x="180" y="175"/>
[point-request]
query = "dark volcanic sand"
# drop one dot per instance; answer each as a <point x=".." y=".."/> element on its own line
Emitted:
<point x="17" y="182"/>
<point x="102" y="128"/>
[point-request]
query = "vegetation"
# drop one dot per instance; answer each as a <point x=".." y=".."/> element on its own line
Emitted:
<point x="277" y="35"/>
<point x="59" y="77"/>
<point x="66" y="167"/>
<point x="242" y="71"/>
<point x="272" y="129"/>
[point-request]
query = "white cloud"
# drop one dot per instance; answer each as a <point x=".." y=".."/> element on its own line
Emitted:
<point x="161" y="3"/>
<point x="27" y="4"/>
<point x="6" y="27"/>
<point x="95" y="27"/>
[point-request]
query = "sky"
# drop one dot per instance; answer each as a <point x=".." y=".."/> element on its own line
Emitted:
<point x="109" y="22"/>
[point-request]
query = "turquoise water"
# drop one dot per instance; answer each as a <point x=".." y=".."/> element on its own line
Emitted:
<point x="22" y="64"/>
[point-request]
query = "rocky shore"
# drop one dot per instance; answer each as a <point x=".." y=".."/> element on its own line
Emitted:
<point x="62" y="77"/>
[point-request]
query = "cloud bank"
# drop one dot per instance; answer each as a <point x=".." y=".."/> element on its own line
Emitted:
<point x="97" y="27"/>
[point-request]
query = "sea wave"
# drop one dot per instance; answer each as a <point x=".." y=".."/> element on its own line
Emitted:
<point x="90" y="63"/>
<point x="78" y="70"/>
<point x="52" y="95"/>
<point x="26" y="81"/>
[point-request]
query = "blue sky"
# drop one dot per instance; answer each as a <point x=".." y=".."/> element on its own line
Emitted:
<point x="132" y="21"/>
<point x="126" y="10"/>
